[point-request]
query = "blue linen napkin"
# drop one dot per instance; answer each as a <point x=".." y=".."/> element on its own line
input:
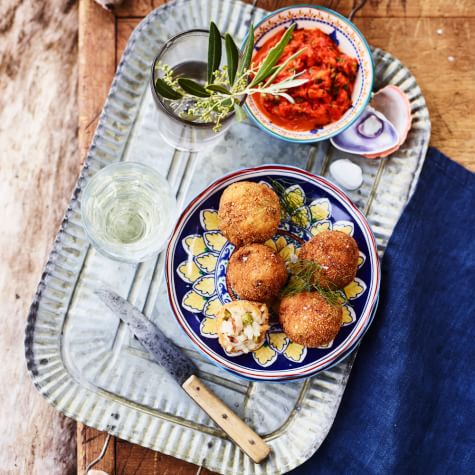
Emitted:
<point x="409" y="407"/>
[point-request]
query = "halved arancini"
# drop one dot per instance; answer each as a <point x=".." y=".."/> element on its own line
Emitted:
<point x="242" y="326"/>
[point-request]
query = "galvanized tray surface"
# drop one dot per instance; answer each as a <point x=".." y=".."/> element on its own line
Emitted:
<point x="85" y="362"/>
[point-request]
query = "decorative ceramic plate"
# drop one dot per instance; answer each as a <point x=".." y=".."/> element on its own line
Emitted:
<point x="198" y="256"/>
<point x="348" y="39"/>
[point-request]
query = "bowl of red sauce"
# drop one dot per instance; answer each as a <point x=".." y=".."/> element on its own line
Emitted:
<point x="337" y="62"/>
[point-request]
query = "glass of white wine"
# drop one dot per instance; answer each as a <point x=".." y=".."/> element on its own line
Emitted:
<point x="128" y="211"/>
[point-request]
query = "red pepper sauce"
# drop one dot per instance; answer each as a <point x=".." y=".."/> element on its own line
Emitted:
<point x="327" y="94"/>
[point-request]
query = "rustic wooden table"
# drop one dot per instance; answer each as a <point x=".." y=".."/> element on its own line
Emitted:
<point x="432" y="37"/>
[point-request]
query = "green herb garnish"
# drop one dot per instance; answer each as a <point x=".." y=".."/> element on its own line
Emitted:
<point x="214" y="51"/>
<point x="225" y="88"/>
<point x="218" y="88"/>
<point x="304" y="278"/>
<point x="272" y="57"/>
<point x="165" y="90"/>
<point x="193" y="88"/>
<point x="247" y="52"/>
<point x="289" y="204"/>
<point x="232" y="55"/>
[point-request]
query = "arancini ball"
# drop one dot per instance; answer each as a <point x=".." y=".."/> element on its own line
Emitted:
<point x="308" y="319"/>
<point x="248" y="212"/>
<point x="255" y="272"/>
<point x="336" y="254"/>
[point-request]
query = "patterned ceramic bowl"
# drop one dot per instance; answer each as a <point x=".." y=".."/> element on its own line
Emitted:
<point x="198" y="256"/>
<point x="349" y="40"/>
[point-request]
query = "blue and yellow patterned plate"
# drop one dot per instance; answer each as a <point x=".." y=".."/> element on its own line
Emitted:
<point x="198" y="255"/>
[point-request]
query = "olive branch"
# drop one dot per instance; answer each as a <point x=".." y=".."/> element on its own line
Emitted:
<point x="226" y="88"/>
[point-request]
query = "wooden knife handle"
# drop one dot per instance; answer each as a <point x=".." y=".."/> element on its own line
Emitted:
<point x="237" y="430"/>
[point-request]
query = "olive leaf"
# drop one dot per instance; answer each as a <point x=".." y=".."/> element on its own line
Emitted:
<point x="272" y="57"/>
<point x="274" y="69"/>
<point x="166" y="91"/>
<point x="247" y="52"/>
<point x="284" y="85"/>
<point x="286" y="96"/>
<point x="232" y="56"/>
<point x="240" y="114"/>
<point x="217" y="88"/>
<point x="214" y="50"/>
<point x="193" y="88"/>
<point x="281" y="67"/>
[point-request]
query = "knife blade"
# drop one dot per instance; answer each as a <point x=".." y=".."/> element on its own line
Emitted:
<point x="184" y="371"/>
<point x="171" y="358"/>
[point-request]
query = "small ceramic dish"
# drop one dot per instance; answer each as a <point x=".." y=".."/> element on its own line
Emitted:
<point x="349" y="40"/>
<point x="198" y="256"/>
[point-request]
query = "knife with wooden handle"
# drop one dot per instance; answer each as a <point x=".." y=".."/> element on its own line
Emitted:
<point x="184" y="371"/>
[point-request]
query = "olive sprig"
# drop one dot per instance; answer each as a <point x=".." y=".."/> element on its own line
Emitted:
<point x="226" y="87"/>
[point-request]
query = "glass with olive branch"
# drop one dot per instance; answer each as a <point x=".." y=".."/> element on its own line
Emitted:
<point x="185" y="55"/>
<point x="199" y="91"/>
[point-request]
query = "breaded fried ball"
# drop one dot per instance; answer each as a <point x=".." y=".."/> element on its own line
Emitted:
<point x="337" y="255"/>
<point x="308" y="319"/>
<point x="248" y="212"/>
<point x="255" y="272"/>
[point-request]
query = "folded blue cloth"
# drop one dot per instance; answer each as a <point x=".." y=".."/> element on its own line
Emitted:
<point x="409" y="407"/>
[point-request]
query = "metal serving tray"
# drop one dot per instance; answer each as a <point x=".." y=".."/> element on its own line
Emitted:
<point x="85" y="362"/>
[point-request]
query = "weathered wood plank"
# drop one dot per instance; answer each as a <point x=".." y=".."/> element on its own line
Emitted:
<point x="38" y="167"/>
<point x="373" y="8"/>
<point x="390" y="8"/>
<point x="440" y="55"/>
<point x="125" y="27"/>
<point x="89" y="445"/>
<point x="96" y="71"/>
<point x="96" y="66"/>
<point x="134" y="459"/>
